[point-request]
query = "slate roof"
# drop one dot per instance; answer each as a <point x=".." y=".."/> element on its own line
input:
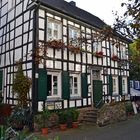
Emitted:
<point x="73" y="11"/>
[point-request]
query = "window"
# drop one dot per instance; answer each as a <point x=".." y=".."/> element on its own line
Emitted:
<point x="97" y="46"/>
<point x="113" y="50"/>
<point x="123" y="53"/>
<point x="52" y="84"/>
<point x="136" y="84"/>
<point x="131" y="84"/>
<point x="74" y="34"/>
<point x="115" y="85"/>
<point x="11" y="4"/>
<point x="54" y="29"/>
<point x="1" y="79"/>
<point x="74" y="85"/>
<point x="124" y="85"/>
<point x="96" y="75"/>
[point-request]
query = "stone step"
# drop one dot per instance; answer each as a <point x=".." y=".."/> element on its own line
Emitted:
<point x="90" y="116"/>
<point x="92" y="113"/>
<point x="89" y="120"/>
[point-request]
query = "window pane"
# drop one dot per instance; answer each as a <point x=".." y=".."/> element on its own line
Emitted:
<point x="54" y="29"/>
<point x="49" y="85"/>
<point x="54" y="85"/>
<point x="71" y="84"/>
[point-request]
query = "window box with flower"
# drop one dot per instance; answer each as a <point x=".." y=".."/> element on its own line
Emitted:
<point x="99" y="54"/>
<point x="57" y="44"/>
<point x="74" y="49"/>
<point x="115" y="58"/>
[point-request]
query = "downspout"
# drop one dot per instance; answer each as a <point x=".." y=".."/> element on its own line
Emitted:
<point x="34" y="66"/>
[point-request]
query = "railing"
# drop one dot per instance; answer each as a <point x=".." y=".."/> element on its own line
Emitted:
<point x="99" y="104"/>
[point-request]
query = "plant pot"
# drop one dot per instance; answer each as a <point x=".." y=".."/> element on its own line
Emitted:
<point x="5" y="110"/>
<point x="17" y="126"/>
<point x="75" y="124"/>
<point x="44" y="131"/>
<point x="63" y="127"/>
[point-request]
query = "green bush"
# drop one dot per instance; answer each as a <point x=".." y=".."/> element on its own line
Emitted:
<point x="128" y="107"/>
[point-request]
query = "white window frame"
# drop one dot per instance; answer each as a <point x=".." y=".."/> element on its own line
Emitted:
<point x="11" y="4"/>
<point x="124" y="85"/>
<point x="115" y="87"/>
<point x="58" y="74"/>
<point x="78" y="85"/>
<point x="123" y="53"/>
<point x="113" y="50"/>
<point x="131" y="84"/>
<point x="54" y="22"/>
<point x="74" y="34"/>
<point x="138" y="85"/>
<point x="97" y="46"/>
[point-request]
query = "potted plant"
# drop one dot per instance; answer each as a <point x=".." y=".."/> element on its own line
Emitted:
<point x="5" y="110"/>
<point x="37" y="122"/>
<point x="17" y="118"/>
<point x="45" y="119"/>
<point x="75" y="115"/>
<point x="21" y="85"/>
<point x="129" y="108"/>
<point x="62" y="119"/>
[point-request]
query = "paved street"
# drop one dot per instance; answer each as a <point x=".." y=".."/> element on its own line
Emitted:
<point x="126" y="130"/>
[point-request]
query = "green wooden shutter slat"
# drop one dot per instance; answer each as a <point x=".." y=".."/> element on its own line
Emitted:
<point x="42" y="85"/>
<point x="110" y="85"/>
<point x="1" y="79"/>
<point x="97" y="91"/>
<point x="120" y="85"/>
<point x="84" y="85"/>
<point x="65" y="85"/>
<point x="128" y="84"/>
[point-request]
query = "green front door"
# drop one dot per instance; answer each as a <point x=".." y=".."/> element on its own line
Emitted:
<point x="97" y="92"/>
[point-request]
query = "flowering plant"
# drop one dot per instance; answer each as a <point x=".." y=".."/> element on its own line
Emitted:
<point x="115" y="57"/>
<point x="99" y="54"/>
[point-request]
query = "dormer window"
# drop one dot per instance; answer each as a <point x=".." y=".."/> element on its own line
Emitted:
<point x="54" y="29"/>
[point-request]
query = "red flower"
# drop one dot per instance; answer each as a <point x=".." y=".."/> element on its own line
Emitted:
<point x="99" y="54"/>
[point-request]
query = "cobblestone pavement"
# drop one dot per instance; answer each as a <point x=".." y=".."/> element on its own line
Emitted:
<point x="126" y="130"/>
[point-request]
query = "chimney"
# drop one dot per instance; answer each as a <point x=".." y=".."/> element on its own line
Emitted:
<point x="73" y="3"/>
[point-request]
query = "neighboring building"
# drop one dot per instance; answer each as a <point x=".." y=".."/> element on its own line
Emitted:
<point x="135" y="90"/>
<point x="70" y="77"/>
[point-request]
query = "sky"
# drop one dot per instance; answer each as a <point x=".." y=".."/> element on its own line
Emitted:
<point x="101" y="8"/>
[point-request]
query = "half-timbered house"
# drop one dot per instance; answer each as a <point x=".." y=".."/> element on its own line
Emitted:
<point x="81" y="66"/>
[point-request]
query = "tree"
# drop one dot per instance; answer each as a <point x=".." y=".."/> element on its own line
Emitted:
<point x="129" y="24"/>
<point x="134" y="61"/>
<point x="21" y="85"/>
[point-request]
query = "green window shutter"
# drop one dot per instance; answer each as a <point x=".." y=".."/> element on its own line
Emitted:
<point x="65" y="85"/>
<point x="128" y="84"/>
<point x="1" y="79"/>
<point x="84" y="85"/>
<point x="42" y="84"/>
<point x="120" y="85"/>
<point x="110" y="84"/>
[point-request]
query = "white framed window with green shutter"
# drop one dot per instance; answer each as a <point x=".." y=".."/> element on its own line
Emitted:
<point x="124" y="85"/>
<point x="75" y="85"/>
<point x="115" y="85"/>
<point x="54" y="29"/>
<point x="53" y="84"/>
